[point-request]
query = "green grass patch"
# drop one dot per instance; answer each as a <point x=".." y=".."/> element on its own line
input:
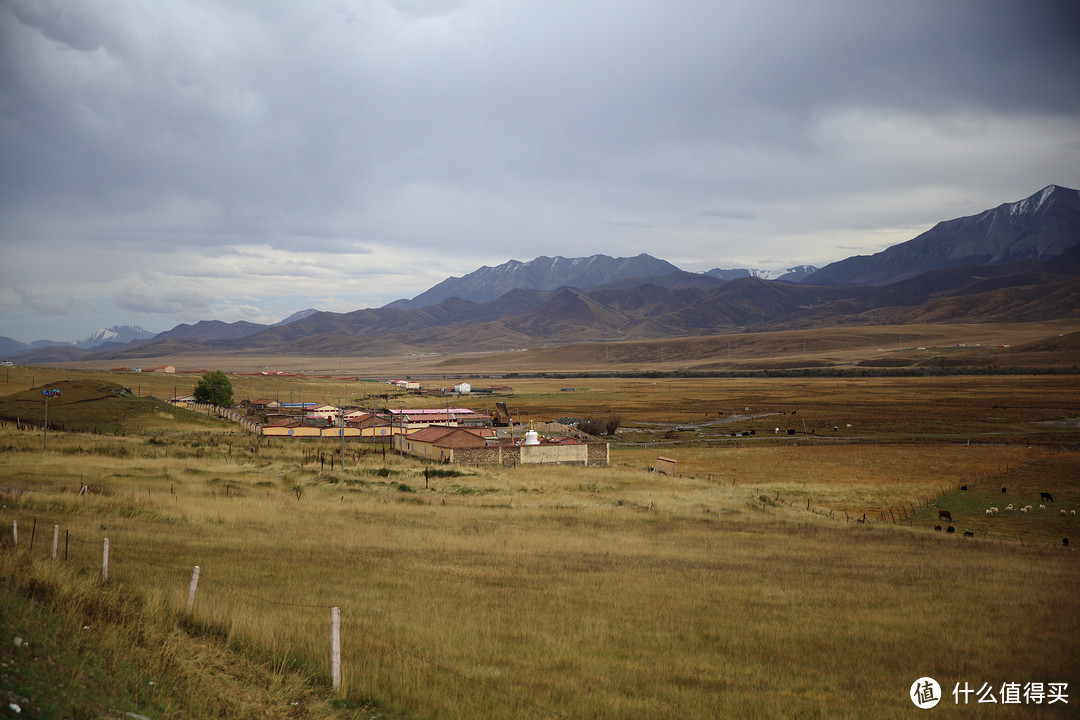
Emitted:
<point x="95" y="406"/>
<point x="74" y="649"/>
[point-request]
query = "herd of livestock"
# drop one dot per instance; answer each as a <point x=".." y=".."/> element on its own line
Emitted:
<point x="1044" y="497"/>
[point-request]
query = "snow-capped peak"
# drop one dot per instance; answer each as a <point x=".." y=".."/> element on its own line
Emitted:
<point x="116" y="333"/>
<point x="790" y="274"/>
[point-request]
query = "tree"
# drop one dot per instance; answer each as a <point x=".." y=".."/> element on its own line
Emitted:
<point x="214" y="388"/>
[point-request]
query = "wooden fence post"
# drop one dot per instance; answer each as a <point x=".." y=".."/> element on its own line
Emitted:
<point x="15" y="531"/>
<point x="335" y="647"/>
<point x="55" y="539"/>
<point x="105" y="562"/>
<point x="191" y="589"/>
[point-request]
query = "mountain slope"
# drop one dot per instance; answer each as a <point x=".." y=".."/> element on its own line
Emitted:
<point x="1021" y="291"/>
<point x="211" y="330"/>
<point x="1030" y="270"/>
<point x="10" y="346"/>
<point x="117" y="334"/>
<point x="543" y="273"/>
<point x="1043" y="225"/>
<point x="793" y="274"/>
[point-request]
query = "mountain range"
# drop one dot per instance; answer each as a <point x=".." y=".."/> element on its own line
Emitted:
<point x="1038" y="227"/>
<point x="113" y="336"/>
<point x="1016" y="262"/>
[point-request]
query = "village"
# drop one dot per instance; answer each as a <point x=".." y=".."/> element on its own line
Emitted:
<point x="450" y="435"/>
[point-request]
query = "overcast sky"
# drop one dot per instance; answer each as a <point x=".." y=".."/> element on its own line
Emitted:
<point x="166" y="161"/>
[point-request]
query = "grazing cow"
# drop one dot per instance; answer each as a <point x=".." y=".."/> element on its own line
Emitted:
<point x="944" y="515"/>
<point x="969" y="534"/>
<point x="950" y="529"/>
<point x="963" y="487"/>
<point x="937" y="528"/>
<point x="1046" y="496"/>
<point x="1003" y="490"/>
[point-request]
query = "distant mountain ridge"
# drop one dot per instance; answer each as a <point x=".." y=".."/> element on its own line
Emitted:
<point x="115" y="336"/>
<point x="1040" y="226"/>
<point x="792" y="274"/>
<point x="543" y="273"/>
<point x="121" y="334"/>
<point x="1026" y="267"/>
<point x="298" y="315"/>
<point x="1022" y="291"/>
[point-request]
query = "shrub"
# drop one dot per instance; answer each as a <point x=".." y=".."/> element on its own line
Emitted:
<point x="445" y="472"/>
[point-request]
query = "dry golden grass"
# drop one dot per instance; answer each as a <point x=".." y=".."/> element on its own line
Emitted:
<point x="612" y="592"/>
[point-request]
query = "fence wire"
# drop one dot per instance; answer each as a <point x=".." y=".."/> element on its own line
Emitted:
<point x="90" y="556"/>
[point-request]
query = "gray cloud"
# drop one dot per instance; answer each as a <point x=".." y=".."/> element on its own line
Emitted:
<point x="48" y="304"/>
<point x="223" y="144"/>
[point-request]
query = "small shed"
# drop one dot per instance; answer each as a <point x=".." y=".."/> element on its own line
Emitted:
<point x="665" y="465"/>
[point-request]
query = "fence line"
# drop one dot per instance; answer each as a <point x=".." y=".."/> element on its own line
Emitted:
<point x="199" y="582"/>
<point x="896" y="513"/>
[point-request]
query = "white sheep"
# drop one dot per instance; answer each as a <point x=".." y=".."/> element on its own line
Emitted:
<point x="1009" y="508"/>
<point x="1073" y="513"/>
<point x="1023" y="509"/>
<point x="1042" y="507"/>
<point x="989" y="512"/>
<point x="1027" y="507"/>
<point x="1063" y="513"/>
<point x="993" y="510"/>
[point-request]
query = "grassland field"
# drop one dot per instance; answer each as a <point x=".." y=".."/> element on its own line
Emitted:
<point x="744" y="586"/>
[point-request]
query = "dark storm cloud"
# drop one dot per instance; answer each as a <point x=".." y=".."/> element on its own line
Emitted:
<point x="227" y="144"/>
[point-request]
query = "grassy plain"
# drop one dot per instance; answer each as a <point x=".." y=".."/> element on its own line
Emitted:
<point x="742" y="587"/>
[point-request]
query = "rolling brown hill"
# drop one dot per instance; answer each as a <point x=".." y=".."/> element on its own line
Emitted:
<point x="1024" y="291"/>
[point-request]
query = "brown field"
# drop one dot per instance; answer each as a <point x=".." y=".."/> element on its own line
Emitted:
<point x="972" y="345"/>
<point x="742" y="587"/>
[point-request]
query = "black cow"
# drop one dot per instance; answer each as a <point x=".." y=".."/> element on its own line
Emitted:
<point x="950" y="529"/>
<point x="1046" y="496"/>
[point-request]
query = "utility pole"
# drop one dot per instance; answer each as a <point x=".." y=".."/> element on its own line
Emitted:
<point x="341" y="424"/>
<point x="45" y="426"/>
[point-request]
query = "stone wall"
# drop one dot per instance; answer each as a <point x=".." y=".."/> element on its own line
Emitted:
<point x="554" y="454"/>
<point x="595" y="454"/>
